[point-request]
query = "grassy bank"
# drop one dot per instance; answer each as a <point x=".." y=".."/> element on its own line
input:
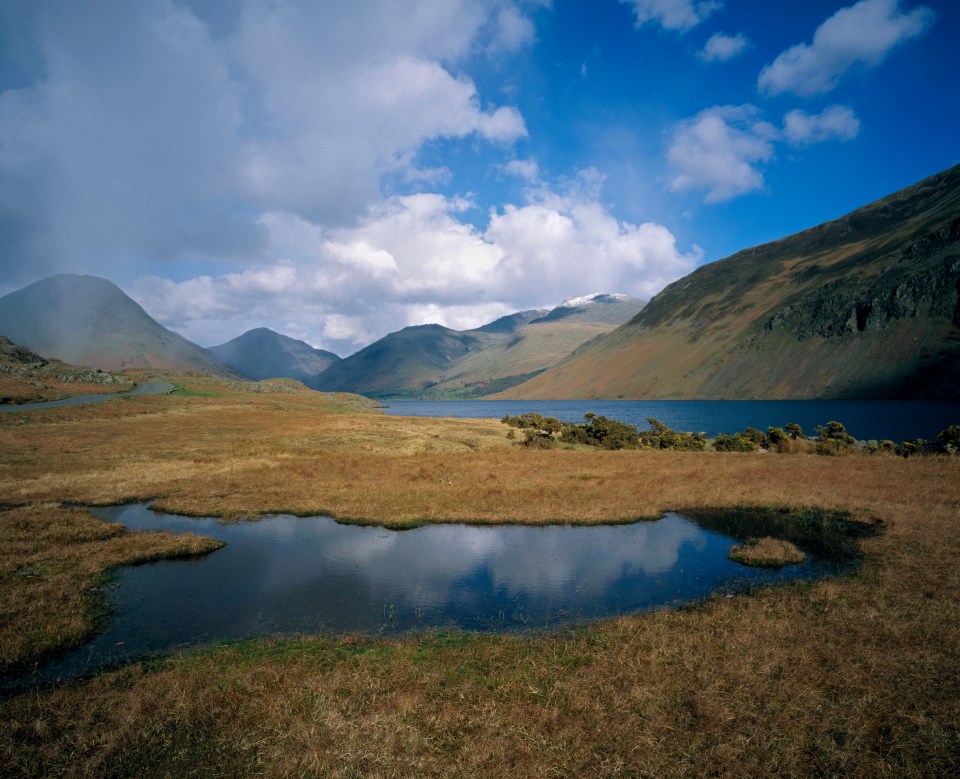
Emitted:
<point x="52" y="560"/>
<point x="857" y="676"/>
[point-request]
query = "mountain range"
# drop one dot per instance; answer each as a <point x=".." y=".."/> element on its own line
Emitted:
<point x="865" y="306"/>
<point x="431" y="361"/>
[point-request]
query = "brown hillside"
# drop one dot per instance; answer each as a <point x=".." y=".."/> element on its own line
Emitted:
<point x="865" y="306"/>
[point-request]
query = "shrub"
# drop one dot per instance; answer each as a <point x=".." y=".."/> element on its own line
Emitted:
<point x="761" y="439"/>
<point x="836" y="433"/>
<point x="611" y="433"/>
<point x="659" y="436"/>
<point x="795" y="431"/>
<point x="950" y="438"/>
<point x="733" y="443"/>
<point x="538" y="439"/>
<point x="777" y="435"/>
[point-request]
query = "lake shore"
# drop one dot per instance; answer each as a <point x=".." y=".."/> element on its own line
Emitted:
<point x="854" y="675"/>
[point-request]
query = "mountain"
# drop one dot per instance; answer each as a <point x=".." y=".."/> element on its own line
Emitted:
<point x="866" y="306"/>
<point x="263" y="354"/>
<point x="436" y="362"/>
<point x="86" y="320"/>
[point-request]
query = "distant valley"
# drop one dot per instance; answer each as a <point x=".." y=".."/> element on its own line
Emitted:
<point x="430" y="361"/>
<point x="866" y="306"/>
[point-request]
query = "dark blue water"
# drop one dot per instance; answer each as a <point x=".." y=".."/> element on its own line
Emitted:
<point x="285" y="575"/>
<point x="896" y="420"/>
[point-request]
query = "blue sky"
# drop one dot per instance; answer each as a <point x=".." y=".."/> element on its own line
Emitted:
<point x="339" y="170"/>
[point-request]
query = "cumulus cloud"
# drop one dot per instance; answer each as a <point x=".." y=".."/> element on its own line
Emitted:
<point x="161" y="131"/>
<point x="834" y="123"/>
<point x="721" y="47"/>
<point x="858" y="37"/>
<point x="719" y="150"/>
<point x="528" y="170"/>
<point x="722" y="149"/>
<point x="673" y="15"/>
<point x="413" y="260"/>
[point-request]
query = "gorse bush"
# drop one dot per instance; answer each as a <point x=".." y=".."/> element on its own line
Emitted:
<point x="734" y="443"/>
<point x="832" y="438"/>
<point x="603" y="432"/>
<point x="659" y="436"/>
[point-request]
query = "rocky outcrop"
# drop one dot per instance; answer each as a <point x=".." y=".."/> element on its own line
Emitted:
<point x="21" y="363"/>
<point x="924" y="282"/>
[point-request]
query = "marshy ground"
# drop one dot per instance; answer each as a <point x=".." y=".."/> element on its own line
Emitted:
<point x="858" y="675"/>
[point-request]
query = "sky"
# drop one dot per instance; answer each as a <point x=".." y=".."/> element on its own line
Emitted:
<point x="337" y="170"/>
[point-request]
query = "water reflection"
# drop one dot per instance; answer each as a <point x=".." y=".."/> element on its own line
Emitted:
<point x="285" y="575"/>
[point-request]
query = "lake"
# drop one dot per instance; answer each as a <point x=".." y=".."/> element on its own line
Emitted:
<point x="896" y="420"/>
<point x="284" y="575"/>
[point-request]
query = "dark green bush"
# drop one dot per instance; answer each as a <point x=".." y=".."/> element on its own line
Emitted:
<point x="733" y="443"/>
<point x="659" y="436"/>
<point x="950" y="438"/>
<point x="836" y="433"/>
<point x="761" y="439"/>
<point x="538" y="439"/>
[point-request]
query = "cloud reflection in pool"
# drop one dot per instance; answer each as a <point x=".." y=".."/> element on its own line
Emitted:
<point x="285" y="575"/>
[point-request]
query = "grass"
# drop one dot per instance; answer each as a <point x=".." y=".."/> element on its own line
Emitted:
<point x="856" y="675"/>
<point x="767" y="552"/>
<point x="52" y="560"/>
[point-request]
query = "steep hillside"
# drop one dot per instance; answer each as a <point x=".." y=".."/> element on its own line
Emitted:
<point x="86" y="320"/>
<point x="263" y="354"/>
<point x="26" y="377"/>
<point x="402" y="363"/>
<point x="865" y="306"/>
<point x="431" y="361"/>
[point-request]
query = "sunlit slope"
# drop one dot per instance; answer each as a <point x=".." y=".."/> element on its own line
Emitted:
<point x="507" y="361"/>
<point x="86" y="320"/>
<point x="431" y="361"/>
<point x="864" y="306"/>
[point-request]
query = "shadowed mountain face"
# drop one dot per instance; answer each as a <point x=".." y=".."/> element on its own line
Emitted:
<point x="866" y="306"/>
<point x="435" y="362"/>
<point x="86" y="320"/>
<point x="263" y="354"/>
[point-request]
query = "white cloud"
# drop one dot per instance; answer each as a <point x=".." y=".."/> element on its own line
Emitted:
<point x="858" y="37"/>
<point x="513" y="30"/>
<point x="722" y="149"/>
<point x="675" y="15"/>
<point x="528" y="170"/>
<point x="413" y="260"/>
<point x="719" y="150"/>
<point x="152" y="132"/>
<point x="721" y="47"/>
<point x="834" y="123"/>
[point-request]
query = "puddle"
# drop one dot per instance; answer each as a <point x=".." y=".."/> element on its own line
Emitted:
<point x="285" y="575"/>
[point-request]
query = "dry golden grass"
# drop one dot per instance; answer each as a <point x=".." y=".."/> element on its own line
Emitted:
<point x="52" y="560"/>
<point x="18" y="389"/>
<point x="855" y="676"/>
<point x="767" y="552"/>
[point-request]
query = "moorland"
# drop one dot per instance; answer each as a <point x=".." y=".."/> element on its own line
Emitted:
<point x="856" y="675"/>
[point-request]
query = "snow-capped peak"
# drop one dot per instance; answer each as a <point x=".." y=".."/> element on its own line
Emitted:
<point x="602" y="297"/>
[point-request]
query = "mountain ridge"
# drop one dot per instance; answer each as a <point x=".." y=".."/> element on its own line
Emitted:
<point x="262" y="353"/>
<point x="861" y="306"/>
<point x="88" y="320"/>
<point x="435" y="361"/>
